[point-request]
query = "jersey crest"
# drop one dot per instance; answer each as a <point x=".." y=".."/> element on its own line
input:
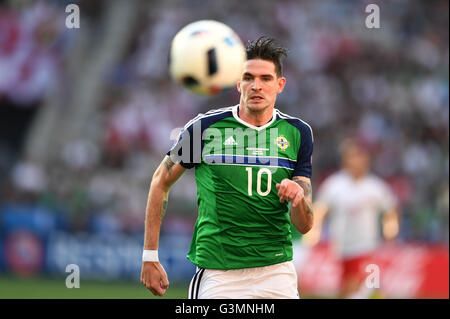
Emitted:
<point x="282" y="142"/>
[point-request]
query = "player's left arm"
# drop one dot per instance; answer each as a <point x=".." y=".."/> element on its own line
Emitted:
<point x="389" y="205"/>
<point x="390" y="224"/>
<point x="299" y="192"/>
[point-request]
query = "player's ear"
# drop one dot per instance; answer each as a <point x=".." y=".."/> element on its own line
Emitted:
<point x="281" y="84"/>
<point x="238" y="85"/>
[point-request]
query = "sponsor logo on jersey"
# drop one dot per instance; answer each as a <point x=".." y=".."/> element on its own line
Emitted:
<point x="282" y="142"/>
<point x="257" y="151"/>
<point x="230" y="141"/>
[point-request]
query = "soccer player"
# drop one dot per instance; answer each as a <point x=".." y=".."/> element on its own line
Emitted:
<point x="354" y="199"/>
<point x="251" y="161"/>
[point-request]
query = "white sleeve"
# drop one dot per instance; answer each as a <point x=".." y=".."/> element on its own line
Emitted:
<point x="386" y="197"/>
<point x="324" y="195"/>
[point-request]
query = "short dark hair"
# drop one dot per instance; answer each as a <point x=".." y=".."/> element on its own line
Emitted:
<point x="265" y="48"/>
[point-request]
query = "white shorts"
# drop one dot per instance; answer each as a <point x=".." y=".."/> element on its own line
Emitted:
<point x="277" y="281"/>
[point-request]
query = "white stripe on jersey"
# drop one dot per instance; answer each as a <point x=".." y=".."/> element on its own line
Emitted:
<point x="207" y="114"/>
<point x="251" y="164"/>
<point x="277" y="157"/>
<point x="286" y="116"/>
<point x="203" y="115"/>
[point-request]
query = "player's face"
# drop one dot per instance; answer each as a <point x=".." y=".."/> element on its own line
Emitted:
<point x="259" y="85"/>
<point x="356" y="161"/>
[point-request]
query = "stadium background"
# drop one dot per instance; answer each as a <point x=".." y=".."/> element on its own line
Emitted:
<point x="87" y="114"/>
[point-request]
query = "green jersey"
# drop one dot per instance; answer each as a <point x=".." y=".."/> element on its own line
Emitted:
<point x="241" y="222"/>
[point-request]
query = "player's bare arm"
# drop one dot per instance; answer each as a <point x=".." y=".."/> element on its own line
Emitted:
<point x="299" y="191"/>
<point x="153" y="275"/>
<point x="390" y="224"/>
<point x="320" y="210"/>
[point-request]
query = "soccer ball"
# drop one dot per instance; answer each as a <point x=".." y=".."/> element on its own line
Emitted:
<point x="207" y="57"/>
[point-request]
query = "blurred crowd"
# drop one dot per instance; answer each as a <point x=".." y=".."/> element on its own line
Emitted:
<point x="388" y="87"/>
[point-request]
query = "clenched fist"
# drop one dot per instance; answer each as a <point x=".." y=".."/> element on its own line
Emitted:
<point x="289" y="190"/>
<point x="154" y="277"/>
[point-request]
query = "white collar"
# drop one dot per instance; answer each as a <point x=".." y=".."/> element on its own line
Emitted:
<point x="258" y="128"/>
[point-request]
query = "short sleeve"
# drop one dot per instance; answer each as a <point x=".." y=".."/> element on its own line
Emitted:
<point x="386" y="197"/>
<point x="183" y="149"/>
<point x="303" y="166"/>
<point x="325" y="192"/>
<point x="187" y="150"/>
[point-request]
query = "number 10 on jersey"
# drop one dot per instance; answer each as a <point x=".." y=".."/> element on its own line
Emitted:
<point x="261" y="171"/>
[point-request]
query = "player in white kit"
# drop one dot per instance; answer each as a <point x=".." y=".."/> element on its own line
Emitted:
<point x="353" y="199"/>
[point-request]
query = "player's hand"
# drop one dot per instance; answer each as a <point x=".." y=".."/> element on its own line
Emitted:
<point x="289" y="190"/>
<point x="154" y="277"/>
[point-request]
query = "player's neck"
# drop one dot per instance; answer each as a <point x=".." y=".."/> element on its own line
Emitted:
<point x="356" y="175"/>
<point x="258" y="118"/>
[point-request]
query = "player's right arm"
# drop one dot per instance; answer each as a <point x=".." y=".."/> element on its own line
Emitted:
<point x="153" y="275"/>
